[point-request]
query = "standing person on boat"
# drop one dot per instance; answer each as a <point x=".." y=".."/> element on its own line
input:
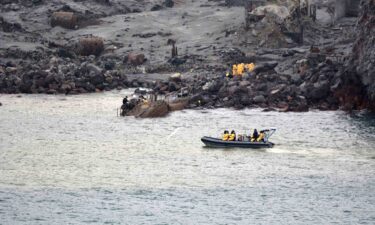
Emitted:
<point x="255" y="135"/>
<point x="226" y="135"/>
<point x="232" y="136"/>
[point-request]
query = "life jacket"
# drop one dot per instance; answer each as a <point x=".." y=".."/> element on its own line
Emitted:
<point x="250" y="67"/>
<point x="240" y="69"/>
<point x="234" y="70"/>
<point x="232" y="137"/>
<point x="261" y="137"/>
<point x="225" y="137"/>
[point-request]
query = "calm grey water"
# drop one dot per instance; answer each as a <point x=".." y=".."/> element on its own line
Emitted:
<point x="70" y="160"/>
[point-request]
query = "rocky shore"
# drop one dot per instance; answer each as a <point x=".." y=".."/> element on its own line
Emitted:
<point x="103" y="45"/>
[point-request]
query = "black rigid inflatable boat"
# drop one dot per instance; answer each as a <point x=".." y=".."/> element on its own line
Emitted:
<point x="218" y="143"/>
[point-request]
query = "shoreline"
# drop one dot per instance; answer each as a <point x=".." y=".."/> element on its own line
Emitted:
<point x="64" y="97"/>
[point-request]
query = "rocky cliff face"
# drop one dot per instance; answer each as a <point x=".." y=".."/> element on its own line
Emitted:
<point x="359" y="77"/>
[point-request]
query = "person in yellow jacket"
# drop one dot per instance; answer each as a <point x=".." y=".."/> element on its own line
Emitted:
<point x="261" y="136"/>
<point x="234" y="70"/>
<point x="232" y="136"/>
<point x="226" y="136"/>
<point x="250" y="67"/>
<point x="240" y="69"/>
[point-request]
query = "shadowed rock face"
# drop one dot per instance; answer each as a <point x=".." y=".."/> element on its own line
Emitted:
<point x="360" y="73"/>
<point x="364" y="48"/>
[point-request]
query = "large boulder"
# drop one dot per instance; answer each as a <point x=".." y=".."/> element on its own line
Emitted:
<point x="93" y="69"/>
<point x="150" y="110"/>
<point x="259" y="99"/>
<point x="264" y="67"/>
<point x="135" y="59"/>
<point x="319" y="90"/>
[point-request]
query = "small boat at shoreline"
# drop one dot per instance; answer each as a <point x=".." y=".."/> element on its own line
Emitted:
<point x="219" y="143"/>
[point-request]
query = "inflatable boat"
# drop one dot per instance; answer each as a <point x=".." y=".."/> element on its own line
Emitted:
<point x="219" y="143"/>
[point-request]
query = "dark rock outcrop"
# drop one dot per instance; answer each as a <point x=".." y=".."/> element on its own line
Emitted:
<point x="357" y="89"/>
<point x="168" y="3"/>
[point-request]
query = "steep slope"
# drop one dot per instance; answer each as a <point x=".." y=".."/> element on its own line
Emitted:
<point x="358" y="87"/>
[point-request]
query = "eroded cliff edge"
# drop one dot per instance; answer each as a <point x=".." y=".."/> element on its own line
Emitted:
<point x="357" y="89"/>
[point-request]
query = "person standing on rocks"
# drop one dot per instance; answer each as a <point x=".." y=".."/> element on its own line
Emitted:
<point x="125" y="100"/>
<point x="125" y="104"/>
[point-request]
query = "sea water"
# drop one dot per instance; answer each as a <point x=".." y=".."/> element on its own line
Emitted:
<point x="72" y="160"/>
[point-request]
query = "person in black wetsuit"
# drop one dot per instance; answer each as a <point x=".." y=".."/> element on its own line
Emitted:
<point x="255" y="135"/>
<point x="125" y="100"/>
<point x="125" y="105"/>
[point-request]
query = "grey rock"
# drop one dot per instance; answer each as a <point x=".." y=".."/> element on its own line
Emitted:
<point x="262" y="87"/>
<point x="168" y="3"/>
<point x="314" y="59"/>
<point x="215" y="86"/>
<point x="93" y="69"/>
<point x="296" y="78"/>
<point x="232" y="90"/>
<point x="244" y="83"/>
<point x="259" y="99"/>
<point x="320" y="90"/>
<point x="264" y="67"/>
<point x="11" y="69"/>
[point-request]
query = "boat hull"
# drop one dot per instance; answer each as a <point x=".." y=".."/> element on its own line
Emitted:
<point x="218" y="143"/>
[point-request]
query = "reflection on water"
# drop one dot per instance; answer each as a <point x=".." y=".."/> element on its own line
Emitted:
<point x="70" y="159"/>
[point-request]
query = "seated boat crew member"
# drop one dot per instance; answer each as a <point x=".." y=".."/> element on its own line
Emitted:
<point x="226" y="135"/>
<point x="255" y="135"/>
<point x="232" y="136"/>
<point x="240" y="138"/>
<point x="261" y="136"/>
